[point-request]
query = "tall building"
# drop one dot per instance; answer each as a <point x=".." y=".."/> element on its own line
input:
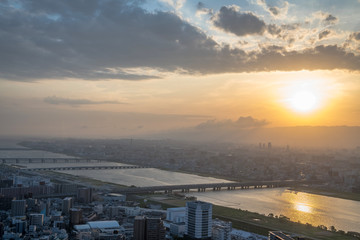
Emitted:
<point x="1" y="230"/>
<point x="5" y="203"/>
<point x="18" y="207"/>
<point x="36" y="219"/>
<point x="279" y="236"/>
<point x="155" y="229"/>
<point x="67" y="203"/>
<point x="75" y="216"/>
<point x="20" y="226"/>
<point x="148" y="228"/>
<point x="84" y="195"/>
<point x="199" y="220"/>
<point x="139" y="228"/>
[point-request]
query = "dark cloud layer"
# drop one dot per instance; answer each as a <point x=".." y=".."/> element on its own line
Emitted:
<point x="230" y="19"/>
<point x="75" y="102"/>
<point x="102" y="39"/>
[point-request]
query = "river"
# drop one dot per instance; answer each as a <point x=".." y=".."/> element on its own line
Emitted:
<point x="298" y="206"/>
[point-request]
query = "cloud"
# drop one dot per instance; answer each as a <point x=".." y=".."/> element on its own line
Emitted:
<point x="242" y="122"/>
<point x="176" y="4"/>
<point x="324" y="34"/>
<point x="330" y="19"/>
<point x="75" y="102"/>
<point x="320" y="57"/>
<point x="72" y="40"/>
<point x="325" y="18"/>
<point x="355" y="36"/>
<point x="201" y="9"/>
<point x="284" y="31"/>
<point x="230" y="19"/>
<point x="275" y="11"/>
<point x="43" y="40"/>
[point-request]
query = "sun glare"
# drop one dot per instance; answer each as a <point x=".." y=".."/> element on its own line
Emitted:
<point x="303" y="208"/>
<point x="305" y="96"/>
<point x="303" y="101"/>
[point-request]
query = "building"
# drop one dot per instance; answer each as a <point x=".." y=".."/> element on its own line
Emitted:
<point x="18" y="207"/>
<point x="20" y="226"/>
<point x="148" y="228"/>
<point x="198" y="220"/>
<point x="36" y="219"/>
<point x="279" y="236"/>
<point x="5" y="203"/>
<point x="176" y="215"/>
<point x="67" y="203"/>
<point x="177" y="229"/>
<point x="139" y="228"/>
<point x="1" y="230"/>
<point x="75" y="216"/>
<point x="99" y="230"/>
<point x="221" y="230"/>
<point x="84" y="195"/>
<point x="155" y="229"/>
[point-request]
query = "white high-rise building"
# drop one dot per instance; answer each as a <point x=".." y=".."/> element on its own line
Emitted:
<point x="199" y="220"/>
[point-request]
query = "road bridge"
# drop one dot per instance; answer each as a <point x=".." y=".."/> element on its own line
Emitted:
<point x="16" y="149"/>
<point x="45" y="160"/>
<point x="66" y="168"/>
<point x="211" y="186"/>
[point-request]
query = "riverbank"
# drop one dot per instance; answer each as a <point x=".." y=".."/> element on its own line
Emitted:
<point x="327" y="192"/>
<point x="255" y="222"/>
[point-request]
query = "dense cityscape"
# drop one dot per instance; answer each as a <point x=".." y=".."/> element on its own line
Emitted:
<point x="46" y="204"/>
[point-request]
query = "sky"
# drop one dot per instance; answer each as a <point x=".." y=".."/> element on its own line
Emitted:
<point x="110" y="68"/>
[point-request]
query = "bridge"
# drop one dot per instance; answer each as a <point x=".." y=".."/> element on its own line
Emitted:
<point x="45" y="160"/>
<point x="15" y="149"/>
<point x="211" y="186"/>
<point x="82" y="168"/>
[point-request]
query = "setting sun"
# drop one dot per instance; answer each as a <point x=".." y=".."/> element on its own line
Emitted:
<point x="304" y="101"/>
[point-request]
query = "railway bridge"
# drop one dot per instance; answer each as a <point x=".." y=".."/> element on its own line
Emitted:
<point x="66" y="168"/>
<point x="211" y="186"/>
